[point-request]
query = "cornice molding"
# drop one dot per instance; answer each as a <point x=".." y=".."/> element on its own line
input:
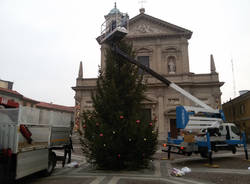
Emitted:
<point x="81" y="88"/>
<point x="188" y="84"/>
<point x="160" y="22"/>
<point x="157" y="35"/>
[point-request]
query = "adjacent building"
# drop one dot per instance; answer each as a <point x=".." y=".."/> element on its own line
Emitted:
<point x="12" y="99"/>
<point x="6" y="84"/>
<point x="237" y="111"/>
<point x="163" y="47"/>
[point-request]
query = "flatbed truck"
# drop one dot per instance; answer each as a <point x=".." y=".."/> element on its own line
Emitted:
<point x="28" y="139"/>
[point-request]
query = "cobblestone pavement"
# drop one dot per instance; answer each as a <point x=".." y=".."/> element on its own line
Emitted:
<point x="86" y="175"/>
<point x="229" y="168"/>
<point x="158" y="173"/>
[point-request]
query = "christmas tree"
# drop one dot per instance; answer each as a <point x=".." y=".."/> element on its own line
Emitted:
<point x="116" y="134"/>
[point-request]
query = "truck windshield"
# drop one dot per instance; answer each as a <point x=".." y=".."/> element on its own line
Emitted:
<point x="235" y="130"/>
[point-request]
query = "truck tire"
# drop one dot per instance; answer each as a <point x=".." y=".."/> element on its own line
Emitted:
<point x="51" y="164"/>
<point x="204" y="154"/>
<point x="234" y="150"/>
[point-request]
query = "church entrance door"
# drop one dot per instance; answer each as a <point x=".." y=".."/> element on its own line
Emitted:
<point x="173" y="128"/>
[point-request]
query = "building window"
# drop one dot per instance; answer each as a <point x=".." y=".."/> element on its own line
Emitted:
<point x="146" y="115"/>
<point x="242" y="108"/>
<point x="88" y="104"/>
<point x="143" y="60"/>
<point x="205" y="100"/>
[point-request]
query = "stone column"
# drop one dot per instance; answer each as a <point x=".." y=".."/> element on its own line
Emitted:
<point x="157" y="57"/>
<point x="103" y="54"/>
<point x="185" y="58"/>
<point x="154" y="62"/>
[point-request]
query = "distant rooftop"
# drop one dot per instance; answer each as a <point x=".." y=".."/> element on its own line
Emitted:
<point x="245" y="94"/>
<point x="55" y="107"/>
<point x="10" y="91"/>
<point x="37" y="103"/>
<point x="6" y="84"/>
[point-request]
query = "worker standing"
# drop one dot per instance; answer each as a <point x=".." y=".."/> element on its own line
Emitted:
<point x="67" y="151"/>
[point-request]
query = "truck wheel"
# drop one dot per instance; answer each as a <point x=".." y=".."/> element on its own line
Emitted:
<point x="234" y="150"/>
<point x="51" y="164"/>
<point x="204" y="154"/>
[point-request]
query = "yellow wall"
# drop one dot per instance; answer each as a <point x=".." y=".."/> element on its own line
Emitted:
<point x="3" y="84"/>
<point x="238" y="111"/>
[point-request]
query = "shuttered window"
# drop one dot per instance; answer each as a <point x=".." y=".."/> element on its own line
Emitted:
<point x="143" y="60"/>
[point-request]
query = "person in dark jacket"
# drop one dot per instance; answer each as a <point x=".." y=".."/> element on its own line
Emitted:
<point x="67" y="151"/>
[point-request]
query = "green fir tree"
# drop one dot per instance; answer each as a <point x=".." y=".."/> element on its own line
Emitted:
<point x="116" y="134"/>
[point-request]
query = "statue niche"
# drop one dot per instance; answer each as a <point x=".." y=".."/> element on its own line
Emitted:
<point x="171" y="65"/>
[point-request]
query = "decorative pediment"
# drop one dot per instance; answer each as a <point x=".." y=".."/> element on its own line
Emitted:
<point x="170" y="111"/>
<point x="150" y="100"/>
<point x="143" y="50"/>
<point x="170" y="50"/>
<point x="144" y="25"/>
<point x="144" y="28"/>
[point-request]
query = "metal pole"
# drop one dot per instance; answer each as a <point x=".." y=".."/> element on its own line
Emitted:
<point x="169" y="151"/>
<point x="245" y="145"/>
<point x="209" y="149"/>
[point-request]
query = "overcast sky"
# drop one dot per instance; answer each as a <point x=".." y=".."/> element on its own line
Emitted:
<point x="43" y="41"/>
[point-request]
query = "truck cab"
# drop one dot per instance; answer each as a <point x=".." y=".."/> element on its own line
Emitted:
<point x="230" y="130"/>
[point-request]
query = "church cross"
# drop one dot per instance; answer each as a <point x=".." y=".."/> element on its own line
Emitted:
<point x="142" y="2"/>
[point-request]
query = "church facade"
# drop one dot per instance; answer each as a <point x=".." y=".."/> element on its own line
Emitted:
<point x="164" y="48"/>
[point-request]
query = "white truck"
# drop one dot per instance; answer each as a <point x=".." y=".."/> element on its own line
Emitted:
<point x="203" y="129"/>
<point x="28" y="137"/>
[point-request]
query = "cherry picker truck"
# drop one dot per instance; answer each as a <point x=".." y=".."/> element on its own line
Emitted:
<point x="203" y="128"/>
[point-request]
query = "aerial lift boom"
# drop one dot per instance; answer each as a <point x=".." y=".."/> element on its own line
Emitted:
<point x="165" y="81"/>
<point x="187" y="118"/>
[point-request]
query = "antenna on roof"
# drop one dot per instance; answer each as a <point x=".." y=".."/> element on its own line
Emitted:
<point x="234" y="88"/>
